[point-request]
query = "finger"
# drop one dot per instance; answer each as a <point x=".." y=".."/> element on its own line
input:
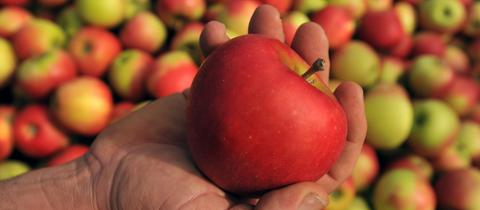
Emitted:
<point x="311" y="43"/>
<point x="350" y="96"/>
<point x="212" y="36"/>
<point x="302" y="196"/>
<point x="266" y="21"/>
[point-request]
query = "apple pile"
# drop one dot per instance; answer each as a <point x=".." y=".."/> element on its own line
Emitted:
<point x="70" y="68"/>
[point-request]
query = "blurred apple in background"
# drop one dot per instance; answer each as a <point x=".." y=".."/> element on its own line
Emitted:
<point x="457" y="59"/>
<point x="234" y="14"/>
<point x="406" y="14"/>
<point x="6" y="131"/>
<point x="342" y="197"/>
<point x="473" y="50"/>
<point x="187" y="40"/>
<point x="144" y="31"/>
<point x="308" y="6"/>
<point x="337" y="23"/>
<point x="366" y="169"/>
<point x="462" y="94"/>
<point x="8" y="62"/>
<point x="282" y="5"/>
<point x="472" y="27"/>
<point x="355" y="7"/>
<point x="417" y="164"/>
<point x="379" y="5"/>
<point x="12" y="168"/>
<point x="428" y="43"/>
<point x="176" y="13"/>
<point x="53" y="3"/>
<point x="121" y="110"/>
<point x="12" y="19"/>
<point x="445" y="16"/>
<point x="383" y="30"/>
<point x="133" y="7"/>
<point x="68" y="154"/>
<point x="392" y="69"/>
<point x="105" y="13"/>
<point x="291" y="23"/>
<point x="70" y="21"/>
<point x="429" y="76"/>
<point x="459" y="189"/>
<point x="359" y="203"/>
<point x="14" y="2"/>
<point x="403" y="48"/>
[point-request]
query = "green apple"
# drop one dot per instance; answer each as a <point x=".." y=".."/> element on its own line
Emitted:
<point x="342" y="197"/>
<point x="308" y="6"/>
<point x="104" y="13"/>
<point x="187" y="40"/>
<point x="457" y="59"/>
<point x="133" y="7"/>
<point x="358" y="203"/>
<point x="454" y="156"/>
<point x="435" y="127"/>
<point x="176" y="13"/>
<point x="442" y="15"/>
<point x="356" y="61"/>
<point x="472" y="27"/>
<point x="408" y="17"/>
<point x="379" y="5"/>
<point x="8" y="62"/>
<point x="392" y="69"/>
<point x="12" y="168"/>
<point x="234" y="14"/>
<point x="70" y="21"/>
<point x="291" y="22"/>
<point x="469" y="137"/>
<point x="415" y="163"/>
<point x="429" y="76"/>
<point x="389" y="115"/>
<point x="144" y="31"/>
<point x="356" y="7"/>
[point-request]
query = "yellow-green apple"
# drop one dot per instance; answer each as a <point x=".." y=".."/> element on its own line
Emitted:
<point x="389" y="111"/>
<point x="392" y="69"/>
<point x="83" y="105"/>
<point x="462" y="95"/>
<point x="428" y="43"/>
<point x="105" y="13"/>
<point x="6" y="131"/>
<point x="342" y="197"/>
<point x="8" y="62"/>
<point x="413" y="2"/>
<point x="291" y="23"/>
<point x="121" y="110"/>
<point x="308" y="6"/>
<point x="187" y="40"/>
<point x="359" y="203"/>
<point x="383" y="29"/>
<point x="415" y="163"/>
<point x="435" y="127"/>
<point x="282" y="5"/>
<point x="38" y="76"/>
<point x="429" y="76"/>
<point x="12" y="168"/>
<point x="68" y="154"/>
<point x="53" y="3"/>
<point x="445" y="16"/>
<point x="234" y="14"/>
<point x="172" y="72"/>
<point x="12" y="19"/>
<point x="408" y="17"/>
<point x="457" y="59"/>
<point x="470" y="135"/>
<point x="366" y="169"/>
<point x="129" y="72"/>
<point x="402" y="189"/>
<point x="14" y="2"/>
<point x="333" y="84"/>
<point x="239" y="86"/>
<point x="379" y="5"/>
<point x="459" y="189"/>
<point x="356" y="61"/>
<point x="474" y="50"/>
<point x="70" y="21"/>
<point x="176" y="13"/>
<point x="35" y="134"/>
<point x="36" y="37"/>
<point x="94" y="50"/>
<point x="355" y="7"/>
<point x="472" y="27"/>
<point x="144" y="31"/>
<point x="338" y="24"/>
<point x="454" y="156"/>
<point x="402" y="49"/>
<point x="133" y="7"/>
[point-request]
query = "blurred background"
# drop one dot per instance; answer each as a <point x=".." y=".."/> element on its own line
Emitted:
<point x="68" y="68"/>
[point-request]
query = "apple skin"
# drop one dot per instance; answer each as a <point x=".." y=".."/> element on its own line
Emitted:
<point x="13" y="19"/>
<point x="337" y="23"/>
<point x="133" y="7"/>
<point x="269" y="160"/>
<point x="7" y="114"/>
<point x="187" y="40"/>
<point x="12" y="168"/>
<point x="94" y="50"/>
<point x="129" y="72"/>
<point x="282" y="5"/>
<point x="342" y="197"/>
<point x="366" y="169"/>
<point x="70" y="21"/>
<point x="105" y="13"/>
<point x="470" y="135"/>
<point x="457" y="59"/>
<point x="234" y="14"/>
<point x="356" y="61"/>
<point x="53" y="3"/>
<point x="408" y="17"/>
<point x="389" y="111"/>
<point x="9" y="62"/>
<point x="420" y="166"/>
<point x="435" y="127"/>
<point x="459" y="189"/>
<point x="444" y="16"/>
<point x="144" y="31"/>
<point x="14" y="2"/>
<point x="121" y="110"/>
<point x="383" y="30"/>
<point x="37" y="37"/>
<point x="38" y="76"/>
<point x="358" y="203"/>
<point x="402" y="189"/>
<point x="404" y="48"/>
<point x="429" y="76"/>
<point x="429" y="43"/>
<point x="35" y="134"/>
<point x="356" y="8"/>
<point x="72" y="105"/>
<point x="379" y="5"/>
<point x="291" y="23"/>
<point x="68" y="154"/>
<point x="308" y="6"/>
<point x="472" y="28"/>
<point x="454" y="156"/>
<point x="462" y="94"/>
<point x="473" y="50"/>
<point x="392" y="69"/>
<point x="176" y="13"/>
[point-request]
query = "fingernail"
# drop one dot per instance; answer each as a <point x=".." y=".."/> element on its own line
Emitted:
<point x="312" y="202"/>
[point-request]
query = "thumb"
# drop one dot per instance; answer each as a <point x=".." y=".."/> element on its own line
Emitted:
<point x="301" y="196"/>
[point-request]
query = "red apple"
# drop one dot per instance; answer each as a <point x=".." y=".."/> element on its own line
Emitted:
<point x="342" y="197"/>
<point x="12" y="19"/>
<point x="172" y="72"/>
<point x="94" y="50"/>
<point x="83" y="105"/>
<point x="366" y="169"/>
<point x="379" y="5"/>
<point x="236" y="87"/>
<point x="459" y="189"/>
<point x="14" y="2"/>
<point x="291" y="23"/>
<point x="404" y="48"/>
<point x="338" y="24"/>
<point x="282" y="5"/>
<point x="415" y="163"/>
<point x="39" y="76"/>
<point x="474" y="50"/>
<point x="35" y="134"/>
<point x="120" y="110"/>
<point x="462" y="95"/>
<point x="381" y="29"/>
<point x="187" y="40"/>
<point x="145" y="32"/>
<point x="175" y="13"/>
<point x="429" y="76"/>
<point x="457" y="59"/>
<point x="68" y="154"/>
<point x="234" y="14"/>
<point x="6" y="131"/>
<point x="429" y="43"/>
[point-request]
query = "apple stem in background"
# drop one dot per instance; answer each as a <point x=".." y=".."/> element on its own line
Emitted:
<point x="318" y="65"/>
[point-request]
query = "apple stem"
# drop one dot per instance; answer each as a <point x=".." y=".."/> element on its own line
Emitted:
<point x="318" y="65"/>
